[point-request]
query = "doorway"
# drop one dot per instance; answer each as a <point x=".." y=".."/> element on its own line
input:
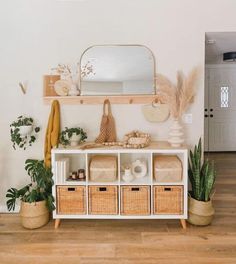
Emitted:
<point x="220" y="92"/>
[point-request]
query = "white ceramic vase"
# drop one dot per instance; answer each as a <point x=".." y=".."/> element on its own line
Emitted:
<point x="74" y="140"/>
<point x="128" y="177"/>
<point x="176" y="134"/>
<point x="74" y="89"/>
<point x="25" y="130"/>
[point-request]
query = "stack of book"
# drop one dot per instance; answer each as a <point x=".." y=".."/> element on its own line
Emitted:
<point x="62" y="170"/>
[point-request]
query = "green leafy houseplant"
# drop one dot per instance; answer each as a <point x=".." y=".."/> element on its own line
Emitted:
<point x="68" y="133"/>
<point x="201" y="174"/>
<point x="22" y="139"/>
<point x="40" y="188"/>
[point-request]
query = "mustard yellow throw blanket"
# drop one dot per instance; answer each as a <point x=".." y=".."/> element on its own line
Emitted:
<point x="52" y="133"/>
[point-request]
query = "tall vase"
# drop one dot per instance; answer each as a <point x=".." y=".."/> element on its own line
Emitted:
<point x="74" y="89"/>
<point x="176" y="134"/>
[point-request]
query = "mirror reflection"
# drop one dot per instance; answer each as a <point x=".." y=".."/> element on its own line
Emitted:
<point x="117" y="70"/>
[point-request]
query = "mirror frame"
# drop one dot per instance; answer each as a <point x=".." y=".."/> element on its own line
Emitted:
<point x="120" y="45"/>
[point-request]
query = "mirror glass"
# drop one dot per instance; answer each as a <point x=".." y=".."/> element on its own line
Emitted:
<point x="117" y="70"/>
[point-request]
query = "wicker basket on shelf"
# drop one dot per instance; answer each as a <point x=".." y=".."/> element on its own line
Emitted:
<point x="103" y="200"/>
<point x="168" y="199"/>
<point x="135" y="200"/>
<point x="103" y="168"/>
<point x="71" y="200"/>
<point x="167" y="168"/>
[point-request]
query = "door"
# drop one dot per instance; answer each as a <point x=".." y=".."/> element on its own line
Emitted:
<point x="220" y="114"/>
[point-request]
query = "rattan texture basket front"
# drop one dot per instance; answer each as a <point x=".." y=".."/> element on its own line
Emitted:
<point x="71" y="200"/>
<point x="168" y="199"/>
<point x="103" y="200"/>
<point x="135" y="200"/>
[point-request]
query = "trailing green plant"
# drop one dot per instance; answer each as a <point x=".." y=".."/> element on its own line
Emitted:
<point x="201" y="174"/>
<point x="23" y="140"/>
<point x="39" y="189"/>
<point x="67" y="133"/>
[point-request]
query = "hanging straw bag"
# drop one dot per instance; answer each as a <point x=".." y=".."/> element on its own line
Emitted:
<point x="156" y="112"/>
<point x="107" y="128"/>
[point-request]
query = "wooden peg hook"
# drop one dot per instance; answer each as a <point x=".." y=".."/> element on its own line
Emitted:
<point x="131" y="101"/>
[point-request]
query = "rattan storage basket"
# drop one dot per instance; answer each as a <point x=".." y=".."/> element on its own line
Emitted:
<point x="135" y="200"/>
<point x="71" y="200"/>
<point x="168" y="199"/>
<point x="103" y="168"/>
<point x="103" y="200"/>
<point x="167" y="168"/>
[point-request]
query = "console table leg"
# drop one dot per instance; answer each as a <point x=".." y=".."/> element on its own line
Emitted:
<point x="57" y="223"/>
<point x="183" y="223"/>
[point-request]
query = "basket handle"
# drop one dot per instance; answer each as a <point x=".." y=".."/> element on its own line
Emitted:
<point x="102" y="189"/>
<point x="167" y="189"/>
<point x="71" y="189"/>
<point x="135" y="189"/>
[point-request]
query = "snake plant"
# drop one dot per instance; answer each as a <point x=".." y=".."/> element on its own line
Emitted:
<point x="201" y="174"/>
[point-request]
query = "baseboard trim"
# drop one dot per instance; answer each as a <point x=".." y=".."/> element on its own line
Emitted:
<point x="3" y="210"/>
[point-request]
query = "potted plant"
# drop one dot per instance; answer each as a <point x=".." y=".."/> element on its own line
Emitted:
<point x="202" y="177"/>
<point x="72" y="136"/>
<point x="22" y="132"/>
<point x="36" y="197"/>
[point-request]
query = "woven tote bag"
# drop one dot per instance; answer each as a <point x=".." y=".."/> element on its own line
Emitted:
<point x="107" y="128"/>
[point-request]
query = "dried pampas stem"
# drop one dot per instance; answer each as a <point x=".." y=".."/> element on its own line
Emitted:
<point x="178" y="96"/>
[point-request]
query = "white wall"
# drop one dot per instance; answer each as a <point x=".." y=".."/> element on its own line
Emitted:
<point x="38" y="34"/>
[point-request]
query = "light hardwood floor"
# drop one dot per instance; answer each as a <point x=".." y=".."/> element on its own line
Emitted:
<point x="130" y="241"/>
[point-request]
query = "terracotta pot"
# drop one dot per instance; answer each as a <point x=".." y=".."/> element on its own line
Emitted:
<point x="200" y="213"/>
<point x="34" y="215"/>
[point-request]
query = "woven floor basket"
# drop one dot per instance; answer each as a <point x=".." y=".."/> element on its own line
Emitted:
<point x="103" y="200"/>
<point x="168" y="199"/>
<point x="71" y="200"/>
<point x="167" y="168"/>
<point x="135" y="200"/>
<point x="34" y="215"/>
<point x="199" y="212"/>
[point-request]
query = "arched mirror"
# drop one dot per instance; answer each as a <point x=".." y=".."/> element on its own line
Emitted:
<point x="117" y="70"/>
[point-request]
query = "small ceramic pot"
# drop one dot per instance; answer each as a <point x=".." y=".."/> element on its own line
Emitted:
<point x="74" y="140"/>
<point x="128" y="177"/>
<point x="25" y="130"/>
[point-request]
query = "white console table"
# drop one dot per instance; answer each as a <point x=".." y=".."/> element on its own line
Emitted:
<point x="80" y="159"/>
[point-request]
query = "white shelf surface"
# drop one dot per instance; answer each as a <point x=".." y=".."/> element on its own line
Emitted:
<point x="71" y="183"/>
<point x="103" y="183"/>
<point x="141" y="181"/>
<point x="168" y="183"/>
<point x="152" y="216"/>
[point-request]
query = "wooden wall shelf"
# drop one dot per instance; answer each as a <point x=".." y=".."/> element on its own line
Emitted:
<point x="122" y="99"/>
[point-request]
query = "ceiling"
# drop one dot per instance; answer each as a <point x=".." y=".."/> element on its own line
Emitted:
<point x="218" y="43"/>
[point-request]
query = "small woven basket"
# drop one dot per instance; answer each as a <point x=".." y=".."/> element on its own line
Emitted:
<point x="135" y="200"/>
<point x="168" y="200"/>
<point x="71" y="200"/>
<point x="103" y="200"/>
<point x="167" y="168"/>
<point x="34" y="215"/>
<point x="103" y="168"/>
